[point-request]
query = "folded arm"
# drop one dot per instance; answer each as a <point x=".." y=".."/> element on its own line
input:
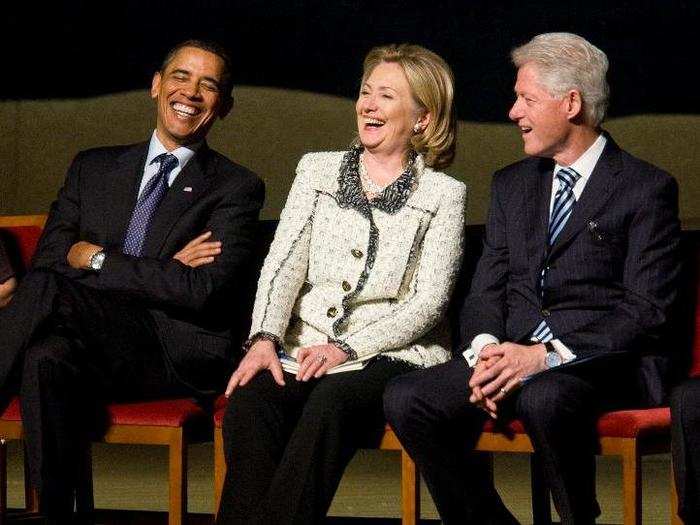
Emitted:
<point x="174" y="283"/>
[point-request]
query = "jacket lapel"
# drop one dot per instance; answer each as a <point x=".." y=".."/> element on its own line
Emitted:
<point x="594" y="197"/>
<point x="538" y="194"/>
<point x="122" y="186"/>
<point x="188" y="186"/>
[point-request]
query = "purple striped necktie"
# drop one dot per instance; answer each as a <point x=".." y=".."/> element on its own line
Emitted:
<point x="147" y="204"/>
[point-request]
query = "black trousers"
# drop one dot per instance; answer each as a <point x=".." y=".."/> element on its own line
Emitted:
<point x="438" y="426"/>
<point x="287" y="447"/>
<point x="685" y="436"/>
<point x="70" y="349"/>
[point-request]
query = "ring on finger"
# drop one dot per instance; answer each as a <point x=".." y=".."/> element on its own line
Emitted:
<point x="321" y="358"/>
<point x="504" y="391"/>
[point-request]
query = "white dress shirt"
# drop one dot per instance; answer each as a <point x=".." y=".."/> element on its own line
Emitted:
<point x="183" y="154"/>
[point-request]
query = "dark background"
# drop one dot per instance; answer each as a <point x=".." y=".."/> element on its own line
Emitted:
<point x="81" y="49"/>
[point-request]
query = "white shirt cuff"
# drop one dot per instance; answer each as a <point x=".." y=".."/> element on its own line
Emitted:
<point x="563" y="350"/>
<point x="471" y="354"/>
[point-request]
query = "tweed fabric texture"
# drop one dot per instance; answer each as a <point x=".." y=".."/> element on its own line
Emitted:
<point x="376" y="279"/>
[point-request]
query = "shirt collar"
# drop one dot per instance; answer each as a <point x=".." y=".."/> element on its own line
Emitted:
<point x="183" y="154"/>
<point x="585" y="164"/>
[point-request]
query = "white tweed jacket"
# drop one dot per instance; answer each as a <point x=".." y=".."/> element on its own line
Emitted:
<point x="372" y="278"/>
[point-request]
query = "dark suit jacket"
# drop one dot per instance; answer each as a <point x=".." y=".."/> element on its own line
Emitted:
<point x="193" y="308"/>
<point x="612" y="271"/>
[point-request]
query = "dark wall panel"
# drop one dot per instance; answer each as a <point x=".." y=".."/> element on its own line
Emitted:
<point x="78" y="48"/>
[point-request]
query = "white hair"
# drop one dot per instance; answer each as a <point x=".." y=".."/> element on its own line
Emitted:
<point x="566" y="61"/>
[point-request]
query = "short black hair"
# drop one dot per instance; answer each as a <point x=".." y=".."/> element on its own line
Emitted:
<point x="211" y="47"/>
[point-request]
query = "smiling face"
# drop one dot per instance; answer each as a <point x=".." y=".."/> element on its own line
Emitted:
<point x="543" y="120"/>
<point x="386" y="111"/>
<point x="189" y="97"/>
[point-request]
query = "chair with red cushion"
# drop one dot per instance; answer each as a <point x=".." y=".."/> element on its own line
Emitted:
<point x="174" y="423"/>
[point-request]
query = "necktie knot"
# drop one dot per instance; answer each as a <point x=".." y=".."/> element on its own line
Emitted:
<point x="567" y="177"/>
<point x="168" y="162"/>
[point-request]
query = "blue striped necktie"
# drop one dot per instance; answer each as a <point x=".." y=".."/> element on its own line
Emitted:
<point x="147" y="204"/>
<point x="564" y="200"/>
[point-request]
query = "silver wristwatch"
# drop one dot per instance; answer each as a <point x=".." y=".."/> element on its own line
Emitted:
<point x="97" y="260"/>
<point x="552" y="358"/>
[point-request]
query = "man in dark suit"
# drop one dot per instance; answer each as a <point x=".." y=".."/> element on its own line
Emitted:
<point x="567" y="303"/>
<point x="137" y="278"/>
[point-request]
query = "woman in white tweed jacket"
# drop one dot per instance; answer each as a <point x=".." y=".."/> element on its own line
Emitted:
<point x="352" y="293"/>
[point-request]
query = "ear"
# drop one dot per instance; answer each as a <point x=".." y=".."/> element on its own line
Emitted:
<point x="574" y="104"/>
<point x="155" y="85"/>
<point x="424" y="119"/>
<point x="226" y="106"/>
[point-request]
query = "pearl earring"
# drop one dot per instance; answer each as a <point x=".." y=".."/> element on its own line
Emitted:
<point x="417" y="128"/>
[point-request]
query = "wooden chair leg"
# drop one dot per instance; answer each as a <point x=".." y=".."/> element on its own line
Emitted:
<point x="541" y="507"/>
<point x="632" y="484"/>
<point x="410" y="491"/>
<point x="675" y="518"/>
<point x="219" y="468"/>
<point x="177" y="450"/>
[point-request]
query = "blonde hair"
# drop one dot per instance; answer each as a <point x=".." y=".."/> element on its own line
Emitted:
<point x="432" y="86"/>
<point x="567" y="61"/>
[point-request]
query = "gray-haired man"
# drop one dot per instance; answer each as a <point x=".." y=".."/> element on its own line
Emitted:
<point x="567" y="302"/>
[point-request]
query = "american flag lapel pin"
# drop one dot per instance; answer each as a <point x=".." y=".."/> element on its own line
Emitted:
<point x="187" y="189"/>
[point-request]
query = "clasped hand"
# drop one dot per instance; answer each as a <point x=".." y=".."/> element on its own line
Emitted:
<point x="314" y="361"/>
<point x="500" y="370"/>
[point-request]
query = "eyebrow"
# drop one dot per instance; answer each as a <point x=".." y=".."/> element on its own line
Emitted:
<point x="380" y="88"/>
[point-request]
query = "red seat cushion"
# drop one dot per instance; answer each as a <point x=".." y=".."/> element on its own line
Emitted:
<point x="695" y="366"/>
<point x="620" y="423"/>
<point x="27" y="238"/>
<point x="513" y="427"/>
<point x="219" y="417"/>
<point x="635" y="423"/>
<point x="220" y="402"/>
<point x="12" y="412"/>
<point x="161" y="413"/>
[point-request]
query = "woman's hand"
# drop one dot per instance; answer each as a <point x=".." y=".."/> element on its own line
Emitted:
<point x="262" y="355"/>
<point x="315" y="361"/>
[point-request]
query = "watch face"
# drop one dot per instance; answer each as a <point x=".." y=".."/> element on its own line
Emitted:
<point x="97" y="260"/>
<point x="552" y="359"/>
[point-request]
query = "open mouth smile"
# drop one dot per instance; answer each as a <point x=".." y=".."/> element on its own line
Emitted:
<point x="183" y="110"/>
<point x="373" y="123"/>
